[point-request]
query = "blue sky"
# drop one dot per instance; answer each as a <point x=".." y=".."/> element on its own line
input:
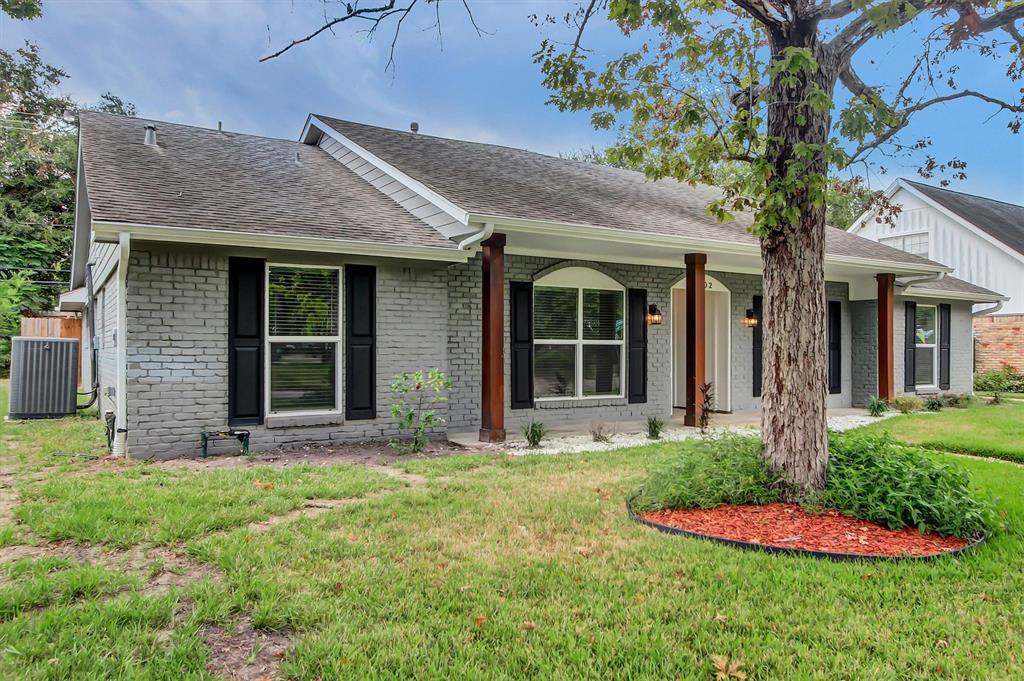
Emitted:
<point x="196" y="62"/>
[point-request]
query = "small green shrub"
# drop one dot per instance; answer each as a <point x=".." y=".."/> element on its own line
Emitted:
<point x="707" y="402"/>
<point x="1005" y="380"/>
<point x="957" y="400"/>
<point x="414" y="398"/>
<point x="534" y="432"/>
<point x="877" y="406"/>
<point x="710" y="472"/>
<point x="873" y="478"/>
<point x="906" y="404"/>
<point x="869" y="477"/>
<point x="934" y="403"/>
<point x="601" y="432"/>
<point x="654" y="427"/>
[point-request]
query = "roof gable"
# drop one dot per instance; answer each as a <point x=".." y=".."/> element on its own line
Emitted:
<point x="1000" y="220"/>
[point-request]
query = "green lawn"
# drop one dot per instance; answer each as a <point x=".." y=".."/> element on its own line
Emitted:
<point x="981" y="428"/>
<point x="492" y="567"/>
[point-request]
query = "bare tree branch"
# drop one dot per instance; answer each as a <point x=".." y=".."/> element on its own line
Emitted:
<point x="352" y="12"/>
<point x="903" y="115"/>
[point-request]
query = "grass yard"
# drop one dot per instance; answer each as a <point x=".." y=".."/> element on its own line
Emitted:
<point x="980" y="428"/>
<point x="471" y="567"/>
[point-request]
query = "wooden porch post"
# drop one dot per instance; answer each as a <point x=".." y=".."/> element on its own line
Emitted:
<point x="492" y="397"/>
<point x="695" y="336"/>
<point x="886" y="287"/>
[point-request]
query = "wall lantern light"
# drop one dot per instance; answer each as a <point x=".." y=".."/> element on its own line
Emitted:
<point x="750" y="320"/>
<point x="653" y="315"/>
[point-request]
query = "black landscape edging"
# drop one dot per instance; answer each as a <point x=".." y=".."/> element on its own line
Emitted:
<point x="768" y="548"/>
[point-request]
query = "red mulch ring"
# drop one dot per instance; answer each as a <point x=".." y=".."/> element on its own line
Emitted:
<point x="791" y="526"/>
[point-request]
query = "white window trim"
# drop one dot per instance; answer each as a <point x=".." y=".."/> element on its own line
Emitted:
<point x="580" y="278"/>
<point x="888" y="238"/>
<point x="935" y="351"/>
<point x="336" y="339"/>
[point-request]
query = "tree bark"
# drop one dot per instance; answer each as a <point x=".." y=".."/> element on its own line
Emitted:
<point x="794" y="388"/>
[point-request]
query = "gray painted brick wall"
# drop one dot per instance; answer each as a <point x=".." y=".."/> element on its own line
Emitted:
<point x="177" y="351"/>
<point x="864" y="320"/>
<point x="961" y="344"/>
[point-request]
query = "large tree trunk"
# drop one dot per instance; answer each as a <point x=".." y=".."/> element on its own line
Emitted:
<point x="794" y="387"/>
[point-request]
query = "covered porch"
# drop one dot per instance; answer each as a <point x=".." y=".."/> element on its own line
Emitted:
<point x="698" y="324"/>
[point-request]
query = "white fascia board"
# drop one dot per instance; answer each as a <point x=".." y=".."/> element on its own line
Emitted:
<point x="107" y="231"/>
<point x="889" y="192"/>
<point x="620" y="236"/>
<point x="966" y="224"/>
<point x="457" y="213"/>
<point x="79" y="259"/>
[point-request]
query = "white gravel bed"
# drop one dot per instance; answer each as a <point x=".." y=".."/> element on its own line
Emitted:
<point x="577" y="444"/>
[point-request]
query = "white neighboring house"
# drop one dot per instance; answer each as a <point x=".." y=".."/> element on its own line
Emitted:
<point x="981" y="239"/>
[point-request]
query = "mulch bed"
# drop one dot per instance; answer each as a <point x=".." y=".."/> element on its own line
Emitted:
<point x="790" y="526"/>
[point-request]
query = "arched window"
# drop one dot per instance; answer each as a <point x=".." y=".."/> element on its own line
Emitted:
<point x="579" y="330"/>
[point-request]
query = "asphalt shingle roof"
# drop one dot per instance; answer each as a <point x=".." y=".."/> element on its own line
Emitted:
<point x="206" y="179"/>
<point x="493" y="180"/>
<point x="954" y="285"/>
<point x="1000" y="220"/>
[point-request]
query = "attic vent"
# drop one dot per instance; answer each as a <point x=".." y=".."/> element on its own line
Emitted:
<point x="414" y="126"/>
<point x="150" y="135"/>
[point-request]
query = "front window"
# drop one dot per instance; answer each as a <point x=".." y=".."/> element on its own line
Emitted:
<point x="304" y="337"/>
<point x="926" y="335"/>
<point x="578" y="338"/>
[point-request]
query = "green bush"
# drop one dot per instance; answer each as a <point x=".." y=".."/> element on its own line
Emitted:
<point x="934" y="403"/>
<point x="957" y="400"/>
<point x="873" y="478"/>
<point x="414" y="398"/>
<point x="869" y="477"/>
<point x="654" y="427"/>
<point x="534" y="432"/>
<point x="710" y="472"/>
<point x="906" y="404"/>
<point x="877" y="406"/>
<point x="1005" y="380"/>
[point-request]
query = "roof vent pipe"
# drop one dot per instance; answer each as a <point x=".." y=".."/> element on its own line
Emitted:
<point x="220" y="126"/>
<point x="414" y="126"/>
<point x="150" y="135"/>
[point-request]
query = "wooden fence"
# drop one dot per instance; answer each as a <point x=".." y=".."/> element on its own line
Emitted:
<point x="55" y="327"/>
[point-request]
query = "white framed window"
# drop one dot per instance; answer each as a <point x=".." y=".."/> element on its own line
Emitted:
<point x="303" y="333"/>
<point x="915" y="244"/>
<point x="579" y="335"/>
<point x="926" y="335"/>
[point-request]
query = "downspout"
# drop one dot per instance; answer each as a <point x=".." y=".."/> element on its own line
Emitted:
<point x="120" y="445"/>
<point x="94" y="392"/>
<point x="482" y="235"/>
<point x="989" y="310"/>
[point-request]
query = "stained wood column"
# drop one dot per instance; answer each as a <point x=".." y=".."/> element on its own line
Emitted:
<point x="886" y="288"/>
<point x="695" y="336"/>
<point x="492" y="397"/>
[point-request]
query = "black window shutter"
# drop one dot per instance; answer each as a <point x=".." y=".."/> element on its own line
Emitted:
<point x="909" y="346"/>
<point x="944" y="335"/>
<point x="758" y="343"/>
<point x="245" y="341"/>
<point x="360" y="342"/>
<point x="521" y="331"/>
<point x="835" y="344"/>
<point x="636" y="340"/>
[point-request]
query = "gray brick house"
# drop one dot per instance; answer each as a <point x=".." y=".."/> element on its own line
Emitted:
<point x="278" y="286"/>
